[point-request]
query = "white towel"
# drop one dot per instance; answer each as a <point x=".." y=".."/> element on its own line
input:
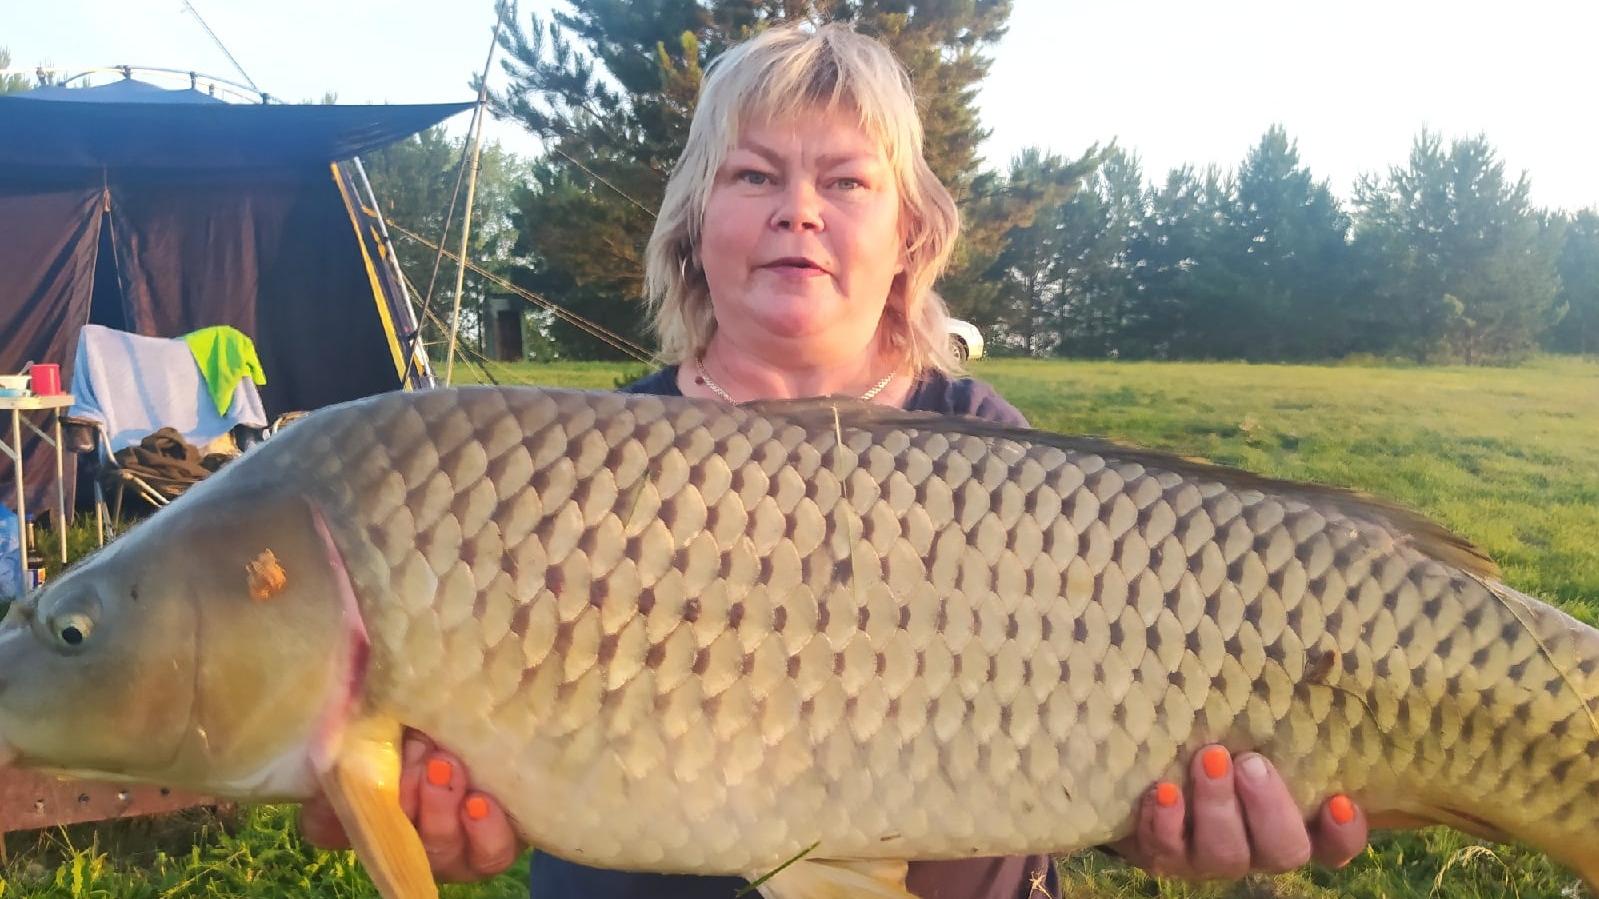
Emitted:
<point x="135" y="385"/>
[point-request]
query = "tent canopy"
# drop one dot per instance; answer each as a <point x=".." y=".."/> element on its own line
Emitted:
<point x="161" y="212"/>
<point x="133" y="124"/>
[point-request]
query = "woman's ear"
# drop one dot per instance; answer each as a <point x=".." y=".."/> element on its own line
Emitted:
<point x="899" y="293"/>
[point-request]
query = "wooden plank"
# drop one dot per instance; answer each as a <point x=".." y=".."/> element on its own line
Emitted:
<point x="29" y="801"/>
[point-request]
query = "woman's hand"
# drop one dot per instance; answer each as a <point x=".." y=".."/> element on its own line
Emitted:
<point x="466" y="834"/>
<point x="1237" y="819"/>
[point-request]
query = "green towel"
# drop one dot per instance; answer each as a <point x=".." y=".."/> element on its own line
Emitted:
<point x="226" y="357"/>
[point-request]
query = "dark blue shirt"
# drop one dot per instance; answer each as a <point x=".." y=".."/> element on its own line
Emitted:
<point x="934" y="392"/>
<point x="1018" y="877"/>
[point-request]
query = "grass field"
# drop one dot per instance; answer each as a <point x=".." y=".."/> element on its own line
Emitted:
<point x="1509" y="458"/>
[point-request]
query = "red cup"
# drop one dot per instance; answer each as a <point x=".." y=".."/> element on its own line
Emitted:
<point x="46" y="378"/>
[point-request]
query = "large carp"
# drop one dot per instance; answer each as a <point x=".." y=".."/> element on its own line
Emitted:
<point x="679" y="636"/>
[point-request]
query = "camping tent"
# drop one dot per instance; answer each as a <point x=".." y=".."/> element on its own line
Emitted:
<point x="163" y="211"/>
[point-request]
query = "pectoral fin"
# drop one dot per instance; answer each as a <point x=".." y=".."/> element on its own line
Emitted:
<point x="362" y="781"/>
<point x="820" y="879"/>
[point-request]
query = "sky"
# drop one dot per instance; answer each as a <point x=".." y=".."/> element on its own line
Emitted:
<point x="1352" y="81"/>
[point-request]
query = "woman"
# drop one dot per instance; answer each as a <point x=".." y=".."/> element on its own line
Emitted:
<point x="795" y="256"/>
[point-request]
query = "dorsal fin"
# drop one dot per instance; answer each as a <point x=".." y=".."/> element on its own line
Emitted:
<point x="1423" y="534"/>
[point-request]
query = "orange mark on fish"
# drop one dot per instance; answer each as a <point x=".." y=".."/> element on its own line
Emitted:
<point x="267" y="577"/>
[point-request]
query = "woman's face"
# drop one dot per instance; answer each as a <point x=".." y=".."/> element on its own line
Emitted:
<point x="802" y="240"/>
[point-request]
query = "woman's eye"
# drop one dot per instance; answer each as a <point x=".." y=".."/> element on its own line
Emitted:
<point x="849" y="183"/>
<point x="750" y="176"/>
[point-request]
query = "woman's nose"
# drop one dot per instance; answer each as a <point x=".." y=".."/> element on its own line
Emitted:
<point x="798" y="209"/>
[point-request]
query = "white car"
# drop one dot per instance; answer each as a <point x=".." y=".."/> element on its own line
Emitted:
<point x="965" y="340"/>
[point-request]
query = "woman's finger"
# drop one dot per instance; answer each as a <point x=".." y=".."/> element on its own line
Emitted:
<point x="320" y="825"/>
<point x="1278" y="839"/>
<point x="1161" y="828"/>
<point x="1340" y="832"/>
<point x="1220" y="846"/>
<point x="439" y="811"/>
<point x="491" y="844"/>
<point x="413" y="755"/>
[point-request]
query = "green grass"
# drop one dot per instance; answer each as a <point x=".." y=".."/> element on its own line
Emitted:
<point x="254" y="852"/>
<point x="1509" y="458"/>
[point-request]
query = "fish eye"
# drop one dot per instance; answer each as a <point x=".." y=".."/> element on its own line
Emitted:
<point x="73" y="630"/>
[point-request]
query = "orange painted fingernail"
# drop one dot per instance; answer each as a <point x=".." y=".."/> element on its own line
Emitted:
<point x="1216" y="763"/>
<point x="1343" y="811"/>
<point x="439" y="773"/>
<point x="477" y="808"/>
<point x="1166" y="794"/>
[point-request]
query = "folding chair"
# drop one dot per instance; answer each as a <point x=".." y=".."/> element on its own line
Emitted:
<point x="128" y="387"/>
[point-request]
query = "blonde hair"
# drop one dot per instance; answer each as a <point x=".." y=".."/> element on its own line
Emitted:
<point x="782" y="72"/>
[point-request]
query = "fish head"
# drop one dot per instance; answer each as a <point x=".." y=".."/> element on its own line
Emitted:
<point x="91" y="678"/>
<point x="209" y="648"/>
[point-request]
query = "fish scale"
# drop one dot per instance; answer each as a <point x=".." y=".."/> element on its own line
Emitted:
<point x="712" y="637"/>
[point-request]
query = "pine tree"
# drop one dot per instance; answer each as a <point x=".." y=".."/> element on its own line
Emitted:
<point x="1093" y="261"/>
<point x="1022" y="271"/>
<point x="1252" y="265"/>
<point x="1463" y="269"/>
<point x="1181" y="278"/>
<point x="1578" y="330"/>
<point x="1289" y="258"/>
<point x="1025" y="286"/>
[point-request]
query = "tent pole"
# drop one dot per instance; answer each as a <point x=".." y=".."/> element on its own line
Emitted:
<point x="416" y="360"/>
<point x="460" y="270"/>
<point x="471" y="191"/>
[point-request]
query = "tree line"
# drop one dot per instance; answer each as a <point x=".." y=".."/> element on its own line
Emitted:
<point x="1441" y="259"/>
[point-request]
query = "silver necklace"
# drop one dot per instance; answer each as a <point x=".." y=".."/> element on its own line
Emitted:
<point x="704" y="377"/>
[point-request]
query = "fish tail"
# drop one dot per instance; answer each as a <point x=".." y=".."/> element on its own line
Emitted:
<point x="1571" y="649"/>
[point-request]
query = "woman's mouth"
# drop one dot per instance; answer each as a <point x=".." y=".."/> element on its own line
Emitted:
<point x="795" y="267"/>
